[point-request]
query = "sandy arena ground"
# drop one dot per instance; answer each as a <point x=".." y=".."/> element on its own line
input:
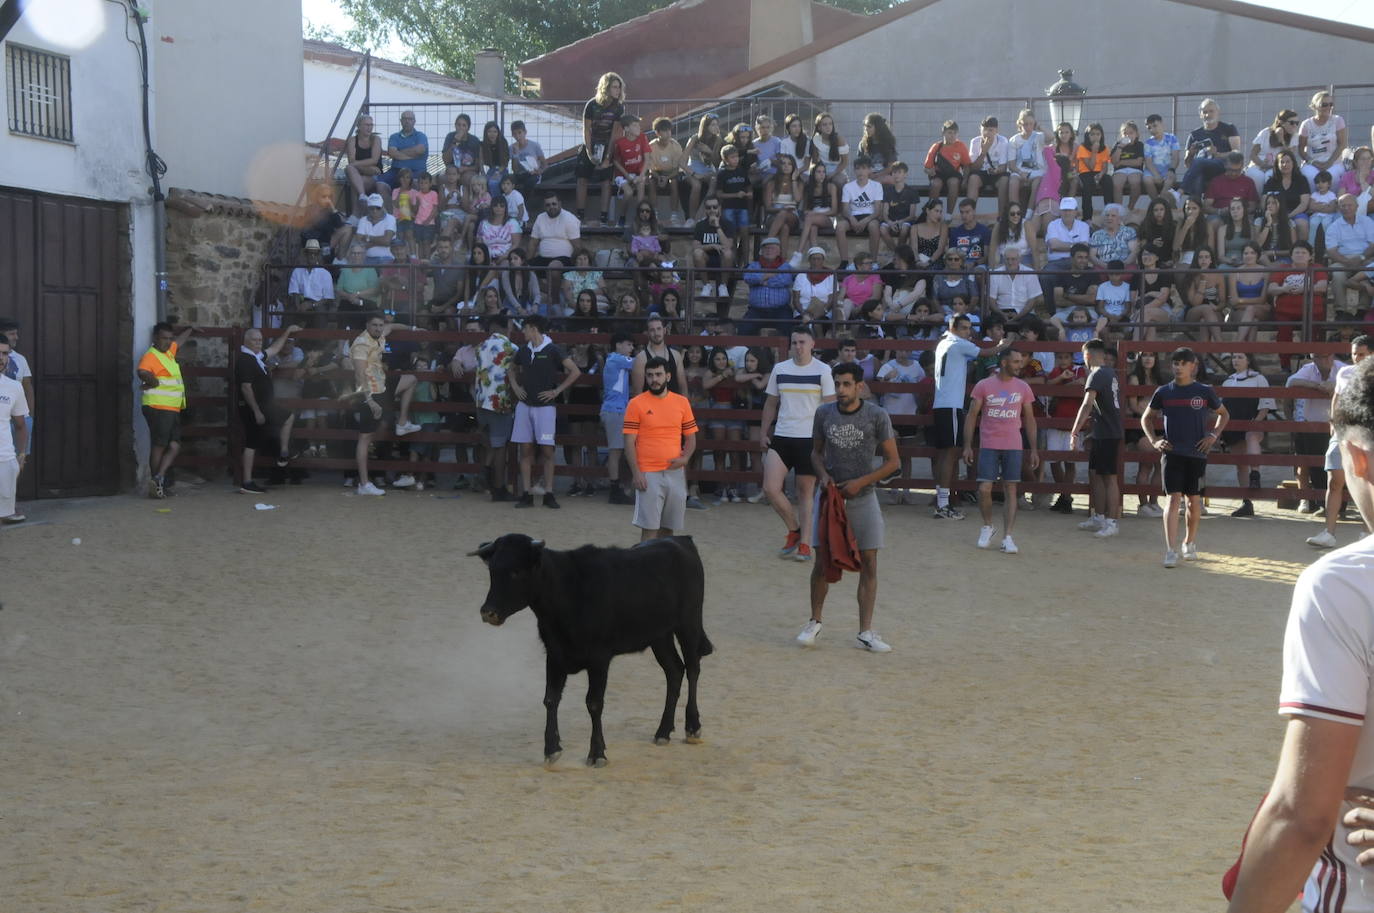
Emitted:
<point x="211" y="708"/>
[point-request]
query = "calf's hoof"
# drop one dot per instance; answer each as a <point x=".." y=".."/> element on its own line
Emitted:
<point x="661" y="740"/>
<point x="596" y="762"/>
<point x="694" y="737"/>
<point x="551" y="759"/>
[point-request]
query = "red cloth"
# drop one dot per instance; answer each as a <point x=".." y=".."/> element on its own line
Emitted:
<point x="1228" y="881"/>
<point x="841" y="551"/>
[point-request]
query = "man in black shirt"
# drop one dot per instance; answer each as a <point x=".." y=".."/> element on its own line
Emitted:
<point x="536" y="386"/>
<point x="901" y="206"/>
<point x="253" y="374"/>
<point x="714" y="248"/>
<point x="1207" y="148"/>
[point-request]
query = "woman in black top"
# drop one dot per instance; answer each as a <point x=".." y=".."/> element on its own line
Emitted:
<point x="495" y="156"/>
<point x="1290" y="185"/>
<point x="1154" y="292"/>
<point x="600" y="128"/>
<point x="1128" y="165"/>
<point x="1156" y="231"/>
<point x="365" y="161"/>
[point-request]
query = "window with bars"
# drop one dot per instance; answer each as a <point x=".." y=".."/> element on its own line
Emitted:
<point x="39" y="88"/>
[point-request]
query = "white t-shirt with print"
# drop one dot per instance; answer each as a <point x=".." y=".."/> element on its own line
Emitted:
<point x="897" y="373"/>
<point x="861" y="200"/>
<point x="13" y="404"/>
<point x="1321" y="138"/>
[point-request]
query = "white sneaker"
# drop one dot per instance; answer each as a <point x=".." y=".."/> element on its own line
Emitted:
<point x="1093" y="523"/>
<point x="1170" y="558"/>
<point x="756" y="497"/>
<point x="809" y="632"/>
<point x="1009" y="546"/>
<point x="537" y="489"/>
<point x="1107" y="531"/>
<point x="367" y="488"/>
<point x="985" y="536"/>
<point x="1323" y="539"/>
<point x="404" y="481"/>
<point x="406" y="428"/>
<point x="871" y="642"/>
<point x="1190" y="551"/>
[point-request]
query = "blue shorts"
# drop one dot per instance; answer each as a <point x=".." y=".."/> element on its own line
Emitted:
<point x="736" y="218"/>
<point x="1003" y="464"/>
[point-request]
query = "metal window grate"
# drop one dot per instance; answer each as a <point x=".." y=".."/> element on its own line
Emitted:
<point x="39" y="93"/>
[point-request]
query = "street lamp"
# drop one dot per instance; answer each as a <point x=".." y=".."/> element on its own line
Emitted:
<point x="1066" y="100"/>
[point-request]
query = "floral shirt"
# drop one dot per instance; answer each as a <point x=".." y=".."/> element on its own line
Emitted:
<point x="1110" y="248"/>
<point x="491" y="390"/>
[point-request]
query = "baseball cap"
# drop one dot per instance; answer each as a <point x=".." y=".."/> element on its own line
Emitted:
<point x="1068" y="203"/>
<point x="816" y="250"/>
<point x="375" y="199"/>
<point x="312" y="244"/>
<point x="770" y="241"/>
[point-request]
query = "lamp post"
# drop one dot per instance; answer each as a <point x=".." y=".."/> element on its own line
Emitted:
<point x="1066" y="100"/>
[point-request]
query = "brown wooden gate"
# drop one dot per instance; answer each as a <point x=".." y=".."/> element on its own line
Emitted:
<point x="60" y="266"/>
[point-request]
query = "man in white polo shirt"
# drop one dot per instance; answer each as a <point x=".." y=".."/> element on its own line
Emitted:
<point x="1014" y="291"/>
<point x="14" y="437"/>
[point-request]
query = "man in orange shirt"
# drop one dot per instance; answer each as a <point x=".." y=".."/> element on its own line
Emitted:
<point x="164" y="396"/>
<point x="660" y="437"/>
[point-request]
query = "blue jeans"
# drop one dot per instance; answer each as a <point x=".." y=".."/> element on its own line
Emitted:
<point x="1199" y="173"/>
<point x="1063" y="264"/>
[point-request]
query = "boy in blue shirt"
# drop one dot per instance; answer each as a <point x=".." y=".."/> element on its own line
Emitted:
<point x="615" y="395"/>
<point x="1186" y="406"/>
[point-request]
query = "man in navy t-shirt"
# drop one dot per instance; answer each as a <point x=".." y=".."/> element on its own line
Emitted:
<point x="1187" y="407"/>
<point x="971" y="236"/>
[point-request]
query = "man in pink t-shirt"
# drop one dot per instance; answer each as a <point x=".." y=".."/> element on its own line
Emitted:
<point x="1002" y="402"/>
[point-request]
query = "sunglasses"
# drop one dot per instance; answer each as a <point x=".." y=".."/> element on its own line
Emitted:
<point x="1013" y="212"/>
<point x="1327" y="104"/>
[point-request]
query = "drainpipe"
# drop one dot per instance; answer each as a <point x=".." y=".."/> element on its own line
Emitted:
<point x="155" y="167"/>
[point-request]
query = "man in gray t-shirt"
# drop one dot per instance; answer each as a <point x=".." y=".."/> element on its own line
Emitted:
<point x="1101" y="400"/>
<point x="846" y="434"/>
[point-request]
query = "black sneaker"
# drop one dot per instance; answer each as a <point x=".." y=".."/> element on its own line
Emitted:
<point x="500" y="494"/>
<point x="525" y="500"/>
<point x="1246" y="509"/>
<point x="550" y="501"/>
<point x="1254" y="478"/>
<point x="252" y="488"/>
<point x="575" y="490"/>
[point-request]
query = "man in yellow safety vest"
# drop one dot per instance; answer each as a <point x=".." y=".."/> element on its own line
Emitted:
<point x="164" y="396"/>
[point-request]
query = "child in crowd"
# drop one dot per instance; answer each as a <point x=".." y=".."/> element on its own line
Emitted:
<point x="451" y="214"/>
<point x="403" y="205"/>
<point x="646" y="248"/>
<point x="859" y="287"/>
<point x="721" y="390"/>
<point x="731" y="185"/>
<point x="427" y="419"/>
<point x="1321" y="205"/>
<point x="901" y="405"/>
<point x="902" y="208"/>
<point x="666" y="164"/>
<point x="1114" y="296"/>
<point x="615" y="392"/>
<point x="477" y="204"/>
<point x="1128" y="163"/>
<point x="630" y="158"/>
<point x="1080" y="328"/>
<point x="946" y="163"/>
<point x="426" y="202"/>
<point x="1065" y="472"/>
<point x="515" y="201"/>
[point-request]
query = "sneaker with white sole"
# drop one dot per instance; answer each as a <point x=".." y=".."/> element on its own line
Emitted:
<point x="1144" y="511"/>
<point x="404" y="428"/>
<point x="1190" y="551"/>
<point x="948" y="513"/>
<point x="1092" y="524"/>
<point x="1108" y="530"/>
<point x="985" y="536"/>
<point x="871" y="642"/>
<point x="367" y="488"/>
<point x="405" y="481"/>
<point x="1170" y="558"/>
<point x="1323" y="539"/>
<point x="1009" y="546"/>
<point x="809" y="632"/>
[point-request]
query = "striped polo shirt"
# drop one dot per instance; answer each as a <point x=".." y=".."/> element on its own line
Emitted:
<point x="799" y="389"/>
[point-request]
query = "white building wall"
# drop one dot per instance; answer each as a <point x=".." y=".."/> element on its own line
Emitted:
<point x="229" y="95"/>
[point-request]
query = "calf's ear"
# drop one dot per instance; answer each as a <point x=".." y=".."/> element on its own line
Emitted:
<point x="483" y="551"/>
<point x="537" y="546"/>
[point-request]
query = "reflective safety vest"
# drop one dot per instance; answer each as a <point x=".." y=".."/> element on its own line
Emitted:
<point x="169" y="393"/>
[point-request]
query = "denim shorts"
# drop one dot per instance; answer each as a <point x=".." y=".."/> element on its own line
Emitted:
<point x="737" y="219"/>
<point x="995" y="464"/>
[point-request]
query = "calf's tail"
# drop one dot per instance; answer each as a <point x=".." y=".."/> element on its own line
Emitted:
<point x="707" y="648"/>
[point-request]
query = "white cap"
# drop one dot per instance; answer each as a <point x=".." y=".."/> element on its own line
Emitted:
<point x="1068" y="203"/>
<point x="312" y="244"/>
<point x="816" y="250"/>
<point x="375" y="200"/>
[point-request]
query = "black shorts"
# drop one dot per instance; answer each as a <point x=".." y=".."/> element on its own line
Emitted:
<point x="256" y="437"/>
<point x="795" y="453"/>
<point x="366" y="423"/>
<point x="1231" y="438"/>
<point x="946" y="428"/>
<point x="164" y="426"/>
<point x="1183" y="475"/>
<point x="1309" y="443"/>
<point x="1102" y="457"/>
<point x="586" y="168"/>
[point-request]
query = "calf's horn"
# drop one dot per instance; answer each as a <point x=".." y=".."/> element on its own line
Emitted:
<point x="483" y="551"/>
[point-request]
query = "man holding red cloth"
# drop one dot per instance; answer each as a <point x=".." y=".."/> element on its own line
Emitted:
<point x="846" y="435"/>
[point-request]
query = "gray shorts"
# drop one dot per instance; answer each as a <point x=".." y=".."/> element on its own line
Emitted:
<point x="865" y="519"/>
<point x="614" y="425"/>
<point x="1333" y="455"/>
<point x="534" y="425"/>
<point x="496" y="426"/>
<point x="663" y="505"/>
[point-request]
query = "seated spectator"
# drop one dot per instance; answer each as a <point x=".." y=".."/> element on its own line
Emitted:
<point x="520" y="287"/>
<point x="732" y="190"/>
<point x="480" y="275"/>
<point x="1155" y="290"/>
<point x="904" y="285"/>
<point x="857" y="288"/>
<point x="1011" y="231"/>
<point x="1274" y="230"/>
<point x="1128" y="163"/>
<point x="970" y="237"/>
<point x="946" y="164"/>
<point x="861" y="209"/>
<point x="930" y="234"/>
<point x="403" y="205"/>
<point x="879" y="146"/>
<point x="1229" y="185"/>
<point x="1290" y="186"/>
<point x="1206" y="147"/>
<point x="1114" y="240"/>
<point x="1245" y="409"/>
<point x="583" y="278"/>
<point x="1359" y="180"/>
<point x="498" y="231"/>
<point x="376" y="230"/>
<point x="583" y="316"/>
<point x="1280" y="135"/>
<point x="630" y="159"/>
<point x="1204" y="293"/>
<point x="311" y="286"/>
<point x="495" y="156"/>
<point x="1234" y="230"/>
<point x="1012" y="290"/>
<point x="900" y="207"/>
<point x="364" y="161"/>
<point x="646" y="241"/>
<point x="1027" y="160"/>
<point x="1322" y="207"/>
<point x="1061" y="237"/>
<point x="554" y="232"/>
<point x="408" y="150"/>
<point x="1289" y="288"/>
<point x="782" y="195"/>
<point x="1349" y="249"/>
<point x="1090" y="163"/>
<point x="765" y="150"/>
<point x="956" y="287"/>
<point x="1246" y="291"/>
<point x="526" y="159"/>
<point x="1080" y="325"/>
<point x="770" y="280"/>
<point x="515" y="202"/>
<point x="1322" y="138"/>
<point x="401" y="285"/>
<point x="667" y="163"/>
<point x="1076" y="286"/>
<point x="1161" y="157"/>
<point x="324" y="223"/>
<point x="822" y="207"/>
<point x="814" y="290"/>
<point x="989" y="162"/>
<point x="713" y="249"/>
<point x="1157" y="230"/>
<point x="477" y="204"/>
<point x="829" y="150"/>
<point x="1191" y="234"/>
<point x="462" y="150"/>
<point x="703" y="158"/>
<point x="359" y="286"/>
<point x="446" y="274"/>
<point x="1114" y="298"/>
<point x="452" y="216"/>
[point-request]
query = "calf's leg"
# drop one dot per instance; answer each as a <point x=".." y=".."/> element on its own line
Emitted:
<point x="596" y="699"/>
<point x="667" y="657"/>
<point x="554" y="680"/>
<point x="692" y="645"/>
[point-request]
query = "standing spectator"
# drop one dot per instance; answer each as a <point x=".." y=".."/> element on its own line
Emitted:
<point x="408" y="150"/>
<point x="1002" y="402"/>
<point x="526" y="159"/>
<point x="845" y="436"/>
<point x="254" y="377"/>
<point x="376" y="394"/>
<point x="615" y="395"/>
<point x="1186" y="441"/>
<point x="364" y="161"/>
<point x="1102" y="401"/>
<point x="1328" y="742"/>
<point x="1146" y="371"/>
<point x="425" y="199"/>
<point x="311" y="286"/>
<point x="1065" y="472"/>
<point x="551" y="241"/>
<point x="1206" y="146"/>
<point x="1245" y="409"/>
<point x="1322" y="138"/>
<point x="1349" y="246"/>
<point x="796" y="387"/>
<point x="660" y="437"/>
<point x="14" y="436"/>
<point x="861" y="209"/>
<point x="770" y="282"/>
<point x="946" y="429"/>
<point x="1335" y="487"/>
<point x="164" y="398"/>
<point x="656" y="331"/>
<point x="1161" y="157"/>
<point x="630" y="158"/>
<point x="462" y="150"/>
<point x="536" y="386"/>
<point x="18" y="369"/>
<point x="600" y="129"/>
<point x="1319" y="375"/>
<point x="491" y="391"/>
<point x="946" y="164"/>
<point x="903" y="368"/>
<point x="990" y="156"/>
